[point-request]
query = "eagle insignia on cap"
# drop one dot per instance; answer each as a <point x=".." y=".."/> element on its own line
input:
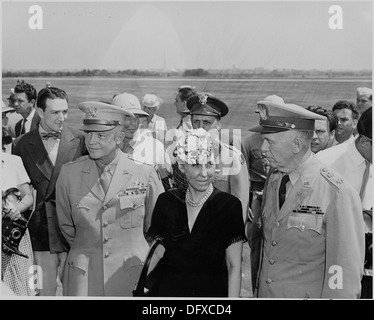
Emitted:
<point x="92" y="111"/>
<point x="203" y="99"/>
<point x="263" y="111"/>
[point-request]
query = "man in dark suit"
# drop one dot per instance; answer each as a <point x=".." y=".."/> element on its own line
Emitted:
<point x="43" y="151"/>
<point x="24" y="104"/>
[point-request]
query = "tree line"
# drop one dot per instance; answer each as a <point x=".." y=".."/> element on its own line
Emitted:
<point x="226" y="73"/>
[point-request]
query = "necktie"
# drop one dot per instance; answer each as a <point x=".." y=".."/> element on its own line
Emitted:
<point x="180" y="125"/>
<point x="282" y="190"/>
<point x="54" y="135"/>
<point x="105" y="178"/>
<point x="23" y="128"/>
<point x="365" y="179"/>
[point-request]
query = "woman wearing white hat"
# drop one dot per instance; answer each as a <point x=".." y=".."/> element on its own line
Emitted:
<point x="156" y="124"/>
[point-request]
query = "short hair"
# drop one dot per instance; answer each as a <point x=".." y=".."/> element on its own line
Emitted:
<point x="345" y="104"/>
<point x="186" y="92"/>
<point x="330" y="115"/>
<point x="364" y="125"/>
<point x="50" y="93"/>
<point x="27" y="88"/>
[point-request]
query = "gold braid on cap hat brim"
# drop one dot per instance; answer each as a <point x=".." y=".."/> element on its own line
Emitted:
<point x="288" y="123"/>
<point x="102" y="122"/>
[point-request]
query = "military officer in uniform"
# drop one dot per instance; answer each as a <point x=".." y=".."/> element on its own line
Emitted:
<point x="313" y="231"/>
<point x="104" y="206"/>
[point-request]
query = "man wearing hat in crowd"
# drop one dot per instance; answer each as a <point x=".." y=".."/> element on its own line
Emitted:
<point x="104" y="206"/>
<point x="156" y="124"/>
<point x="364" y="98"/>
<point x="258" y="168"/>
<point x="313" y="231"/>
<point x="138" y="140"/>
<point x="6" y="136"/>
<point x="232" y="175"/>
<point x="355" y="163"/>
<point x="13" y="117"/>
<point x="43" y="151"/>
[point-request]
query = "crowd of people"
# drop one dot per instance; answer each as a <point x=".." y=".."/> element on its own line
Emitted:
<point x="95" y="198"/>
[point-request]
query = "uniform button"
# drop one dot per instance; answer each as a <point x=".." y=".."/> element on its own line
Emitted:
<point x="106" y="255"/>
<point x="274" y="243"/>
<point x="271" y="261"/>
<point x="277" y="224"/>
<point x="105" y="207"/>
<point x="106" y="239"/>
<point x="268" y="281"/>
<point x="106" y="223"/>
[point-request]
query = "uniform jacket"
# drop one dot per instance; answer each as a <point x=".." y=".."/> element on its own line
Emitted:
<point x="106" y="232"/>
<point x="314" y="246"/>
<point x="233" y="175"/>
<point x="44" y="231"/>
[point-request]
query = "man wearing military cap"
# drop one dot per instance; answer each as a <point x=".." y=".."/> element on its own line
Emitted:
<point x="313" y="231"/>
<point x="206" y="112"/>
<point x="364" y="98"/>
<point x="104" y="207"/>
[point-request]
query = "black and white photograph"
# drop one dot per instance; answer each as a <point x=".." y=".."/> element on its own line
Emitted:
<point x="186" y="150"/>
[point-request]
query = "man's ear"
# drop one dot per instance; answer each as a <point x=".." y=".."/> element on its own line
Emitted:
<point x="355" y="122"/>
<point x="219" y="124"/>
<point x="297" y="145"/>
<point x="181" y="167"/>
<point x="120" y="137"/>
<point x="40" y="112"/>
<point x="365" y="142"/>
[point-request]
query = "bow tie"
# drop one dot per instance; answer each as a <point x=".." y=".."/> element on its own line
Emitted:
<point x="54" y="135"/>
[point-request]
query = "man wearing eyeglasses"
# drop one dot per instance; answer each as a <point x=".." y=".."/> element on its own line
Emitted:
<point x="43" y="151"/>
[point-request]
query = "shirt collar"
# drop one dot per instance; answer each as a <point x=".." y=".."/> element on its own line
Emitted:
<point x="31" y="115"/>
<point x="300" y="171"/>
<point x="112" y="166"/>
<point x="353" y="152"/>
<point x="41" y="130"/>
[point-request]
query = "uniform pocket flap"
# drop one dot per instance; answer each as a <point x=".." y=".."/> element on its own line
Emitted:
<point x="127" y="202"/>
<point x="305" y="222"/>
<point x="79" y="261"/>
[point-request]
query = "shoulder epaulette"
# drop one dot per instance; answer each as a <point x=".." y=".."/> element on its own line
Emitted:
<point x="337" y="181"/>
<point x="130" y="157"/>
<point x="82" y="158"/>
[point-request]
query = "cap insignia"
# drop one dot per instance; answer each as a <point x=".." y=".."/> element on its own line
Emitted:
<point x="203" y="99"/>
<point x="263" y="111"/>
<point x="92" y="111"/>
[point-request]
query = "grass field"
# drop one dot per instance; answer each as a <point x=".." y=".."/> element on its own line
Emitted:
<point x="240" y="95"/>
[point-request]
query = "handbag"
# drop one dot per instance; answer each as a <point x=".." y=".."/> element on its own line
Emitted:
<point x="147" y="284"/>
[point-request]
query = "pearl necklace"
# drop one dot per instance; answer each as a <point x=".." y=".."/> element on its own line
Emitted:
<point x="202" y="201"/>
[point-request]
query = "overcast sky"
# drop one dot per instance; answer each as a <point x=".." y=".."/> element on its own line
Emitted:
<point x="195" y="34"/>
